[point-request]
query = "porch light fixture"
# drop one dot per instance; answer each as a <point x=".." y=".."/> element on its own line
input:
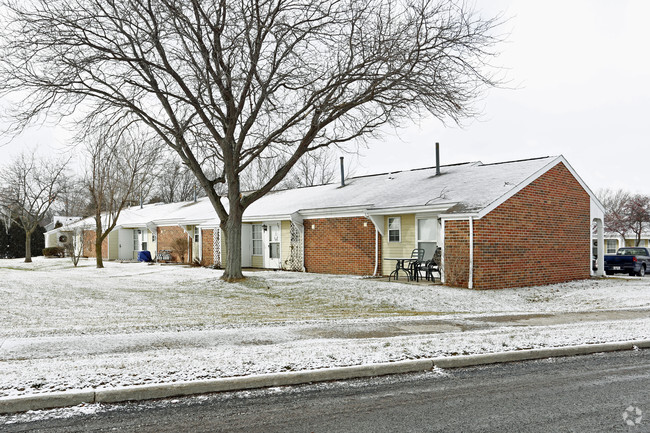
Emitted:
<point x="264" y="227"/>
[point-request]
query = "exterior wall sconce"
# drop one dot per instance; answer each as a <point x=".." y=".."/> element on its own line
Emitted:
<point x="313" y="226"/>
<point x="264" y="227"/>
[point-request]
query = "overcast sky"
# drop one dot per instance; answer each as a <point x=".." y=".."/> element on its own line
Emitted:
<point x="581" y="73"/>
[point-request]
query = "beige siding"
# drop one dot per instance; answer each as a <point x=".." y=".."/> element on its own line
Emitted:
<point x="398" y="249"/>
<point x="258" y="262"/>
<point x="151" y="245"/>
<point x="113" y="245"/>
<point x="285" y="242"/>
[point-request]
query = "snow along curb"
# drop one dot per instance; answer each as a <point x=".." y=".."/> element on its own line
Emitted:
<point x="150" y="392"/>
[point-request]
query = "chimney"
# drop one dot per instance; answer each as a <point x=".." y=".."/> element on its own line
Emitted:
<point x="437" y="159"/>
<point x="342" y="173"/>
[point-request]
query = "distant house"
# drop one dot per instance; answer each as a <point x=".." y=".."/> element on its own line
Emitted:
<point x="510" y="224"/>
<point x="56" y="234"/>
<point x="614" y="241"/>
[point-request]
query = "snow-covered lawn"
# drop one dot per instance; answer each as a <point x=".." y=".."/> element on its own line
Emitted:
<point x="63" y="327"/>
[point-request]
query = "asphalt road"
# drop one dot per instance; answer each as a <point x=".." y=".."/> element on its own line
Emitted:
<point x="577" y="394"/>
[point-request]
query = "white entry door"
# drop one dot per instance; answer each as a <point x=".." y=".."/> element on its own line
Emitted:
<point x="126" y="244"/>
<point x="272" y="259"/>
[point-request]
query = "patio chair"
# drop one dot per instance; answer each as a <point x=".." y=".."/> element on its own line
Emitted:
<point x="429" y="267"/>
<point x="434" y="265"/>
<point x="414" y="265"/>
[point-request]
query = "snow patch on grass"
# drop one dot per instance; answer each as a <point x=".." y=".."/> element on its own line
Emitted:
<point x="121" y="321"/>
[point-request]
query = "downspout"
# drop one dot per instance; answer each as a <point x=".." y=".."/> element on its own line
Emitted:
<point x="470" y="283"/>
<point x="200" y="246"/>
<point x="374" y="274"/>
<point x="441" y="265"/>
<point x="378" y="222"/>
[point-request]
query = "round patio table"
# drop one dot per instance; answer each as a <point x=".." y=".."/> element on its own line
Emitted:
<point x="399" y="266"/>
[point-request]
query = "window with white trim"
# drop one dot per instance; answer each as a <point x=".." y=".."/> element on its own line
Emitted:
<point x="610" y="246"/>
<point x="395" y="229"/>
<point x="257" y="240"/>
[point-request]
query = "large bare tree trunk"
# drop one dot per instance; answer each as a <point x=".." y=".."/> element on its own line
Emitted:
<point x="98" y="252"/>
<point x="28" y="246"/>
<point x="99" y="238"/>
<point x="232" y="232"/>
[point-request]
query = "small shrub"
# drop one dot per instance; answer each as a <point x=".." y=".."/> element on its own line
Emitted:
<point x="54" y="252"/>
<point x="180" y="247"/>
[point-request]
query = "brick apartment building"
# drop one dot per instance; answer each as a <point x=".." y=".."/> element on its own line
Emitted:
<point x="510" y="224"/>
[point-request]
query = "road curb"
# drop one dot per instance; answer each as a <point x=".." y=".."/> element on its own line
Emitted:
<point x="151" y="392"/>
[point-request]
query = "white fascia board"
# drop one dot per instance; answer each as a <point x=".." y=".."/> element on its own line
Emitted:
<point x="165" y="222"/>
<point x="260" y="218"/>
<point x="177" y="222"/>
<point x="209" y="225"/>
<point x="195" y="222"/>
<point x="132" y="226"/>
<point x="435" y="209"/>
<point x="458" y="216"/>
<point x="335" y="212"/>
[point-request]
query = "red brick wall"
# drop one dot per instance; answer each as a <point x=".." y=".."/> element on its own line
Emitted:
<point x="456" y="260"/>
<point x="89" y="244"/>
<point x="341" y="246"/>
<point x="207" y="248"/>
<point x="166" y="238"/>
<point x="539" y="236"/>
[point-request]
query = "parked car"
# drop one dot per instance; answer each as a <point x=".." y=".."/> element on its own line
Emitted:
<point x="629" y="260"/>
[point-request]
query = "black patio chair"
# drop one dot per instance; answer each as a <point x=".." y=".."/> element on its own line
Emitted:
<point x="429" y="267"/>
<point x="414" y="265"/>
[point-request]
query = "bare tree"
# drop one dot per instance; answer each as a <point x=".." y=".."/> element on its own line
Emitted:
<point x="175" y="182"/>
<point x="317" y="168"/>
<point x="72" y="200"/>
<point x="74" y="244"/>
<point x="225" y="83"/>
<point x="638" y="214"/>
<point x="117" y="161"/>
<point x="625" y="213"/>
<point x="30" y="186"/>
<point x="615" y="203"/>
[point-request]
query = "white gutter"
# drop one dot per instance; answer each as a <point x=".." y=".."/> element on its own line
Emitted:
<point x="470" y="283"/>
<point x="431" y="208"/>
